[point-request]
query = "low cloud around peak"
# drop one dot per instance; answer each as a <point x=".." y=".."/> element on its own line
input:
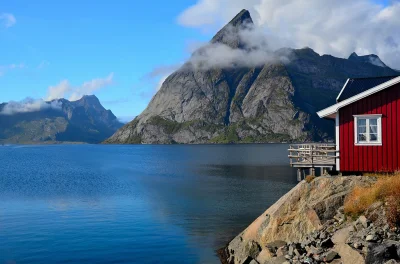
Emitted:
<point x="29" y="105"/>
<point x="330" y="27"/>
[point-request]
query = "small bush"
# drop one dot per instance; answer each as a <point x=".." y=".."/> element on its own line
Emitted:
<point x="310" y="178"/>
<point x="386" y="189"/>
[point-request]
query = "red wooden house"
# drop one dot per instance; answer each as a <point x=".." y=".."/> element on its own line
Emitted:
<point x="367" y="118"/>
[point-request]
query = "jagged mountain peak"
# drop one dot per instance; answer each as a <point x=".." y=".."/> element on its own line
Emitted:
<point x="228" y="35"/>
<point x="91" y="99"/>
<point x="243" y="17"/>
<point x="84" y="120"/>
<point x="371" y="59"/>
<point x="353" y="55"/>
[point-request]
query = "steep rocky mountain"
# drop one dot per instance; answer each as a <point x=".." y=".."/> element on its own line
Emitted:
<point x="274" y="102"/>
<point x="84" y="120"/>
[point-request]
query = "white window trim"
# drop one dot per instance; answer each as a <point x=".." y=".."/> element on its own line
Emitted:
<point x="379" y="123"/>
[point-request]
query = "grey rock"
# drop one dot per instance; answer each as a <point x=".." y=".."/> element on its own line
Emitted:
<point x="277" y="260"/>
<point x="252" y="249"/>
<point x="392" y="261"/>
<point x="381" y="253"/>
<point x="363" y="220"/>
<point x="331" y="255"/>
<point x="371" y="238"/>
<point x="276" y="244"/>
<point x="315" y="251"/>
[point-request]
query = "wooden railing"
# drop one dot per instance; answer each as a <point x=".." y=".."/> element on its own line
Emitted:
<point x="313" y="155"/>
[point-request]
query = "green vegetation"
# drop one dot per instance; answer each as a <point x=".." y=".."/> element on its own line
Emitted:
<point x="171" y="127"/>
<point x="229" y="135"/>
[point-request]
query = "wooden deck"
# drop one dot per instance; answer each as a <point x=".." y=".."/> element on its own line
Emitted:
<point x="315" y="155"/>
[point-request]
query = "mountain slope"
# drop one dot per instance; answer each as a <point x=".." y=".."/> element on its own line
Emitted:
<point x="274" y="102"/>
<point x="84" y="120"/>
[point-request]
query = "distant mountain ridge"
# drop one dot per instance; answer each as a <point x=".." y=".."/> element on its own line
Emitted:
<point x="84" y="120"/>
<point x="274" y="102"/>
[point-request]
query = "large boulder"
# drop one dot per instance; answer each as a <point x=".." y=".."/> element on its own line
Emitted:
<point x="300" y="212"/>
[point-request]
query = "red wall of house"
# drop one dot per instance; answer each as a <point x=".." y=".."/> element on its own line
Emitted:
<point x="372" y="158"/>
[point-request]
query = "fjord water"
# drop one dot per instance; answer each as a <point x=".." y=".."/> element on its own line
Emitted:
<point x="133" y="204"/>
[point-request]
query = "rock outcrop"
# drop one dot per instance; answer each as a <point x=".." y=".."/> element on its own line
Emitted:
<point x="308" y="225"/>
<point x="275" y="101"/>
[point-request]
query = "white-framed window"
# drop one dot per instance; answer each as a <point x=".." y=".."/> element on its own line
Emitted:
<point x="368" y="130"/>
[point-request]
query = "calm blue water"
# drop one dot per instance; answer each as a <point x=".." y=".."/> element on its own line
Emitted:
<point x="133" y="204"/>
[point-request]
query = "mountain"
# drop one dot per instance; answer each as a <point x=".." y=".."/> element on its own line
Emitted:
<point x="372" y="59"/>
<point x="84" y="120"/>
<point x="274" y="102"/>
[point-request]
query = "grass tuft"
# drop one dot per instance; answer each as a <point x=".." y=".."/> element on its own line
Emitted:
<point x="310" y="178"/>
<point x="386" y="189"/>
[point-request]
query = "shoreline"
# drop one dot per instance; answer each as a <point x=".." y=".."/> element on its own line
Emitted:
<point x="308" y="225"/>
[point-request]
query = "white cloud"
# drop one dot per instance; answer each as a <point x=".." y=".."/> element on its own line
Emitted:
<point x="43" y="64"/>
<point x="7" y="19"/>
<point x="59" y="91"/>
<point x="10" y="67"/>
<point x="29" y="105"/>
<point x="65" y="89"/>
<point x="161" y="81"/>
<point x="330" y="27"/>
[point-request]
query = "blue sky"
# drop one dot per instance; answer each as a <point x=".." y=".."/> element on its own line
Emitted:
<point x="79" y="41"/>
<point x="109" y="48"/>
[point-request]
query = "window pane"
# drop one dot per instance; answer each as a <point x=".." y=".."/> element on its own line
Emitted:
<point x="373" y="129"/>
<point x="361" y="122"/>
<point x="362" y="137"/>
<point x="362" y="129"/>
<point x="373" y="122"/>
<point x="373" y="137"/>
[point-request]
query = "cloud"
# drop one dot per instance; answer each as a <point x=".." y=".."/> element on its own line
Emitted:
<point x="59" y="91"/>
<point x="161" y="81"/>
<point x="43" y="64"/>
<point x="162" y="70"/>
<point x="258" y="48"/>
<point x="329" y="27"/>
<point x="158" y="75"/>
<point x="29" y="105"/>
<point x="7" y="20"/>
<point x="10" y="67"/>
<point x="65" y="89"/>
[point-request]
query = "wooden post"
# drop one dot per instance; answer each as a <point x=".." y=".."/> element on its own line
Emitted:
<point x="299" y="175"/>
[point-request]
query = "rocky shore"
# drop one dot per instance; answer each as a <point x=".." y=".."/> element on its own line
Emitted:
<point x="308" y="225"/>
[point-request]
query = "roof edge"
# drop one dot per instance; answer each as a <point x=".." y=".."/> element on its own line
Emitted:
<point x="334" y="108"/>
<point x="341" y="91"/>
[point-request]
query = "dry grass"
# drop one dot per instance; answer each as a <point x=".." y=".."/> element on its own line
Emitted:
<point x="386" y="189"/>
<point x="309" y="178"/>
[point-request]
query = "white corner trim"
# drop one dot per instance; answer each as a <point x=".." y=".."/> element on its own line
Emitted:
<point x="334" y="108"/>
<point x="337" y="141"/>
<point x="341" y="91"/>
<point x="379" y="132"/>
